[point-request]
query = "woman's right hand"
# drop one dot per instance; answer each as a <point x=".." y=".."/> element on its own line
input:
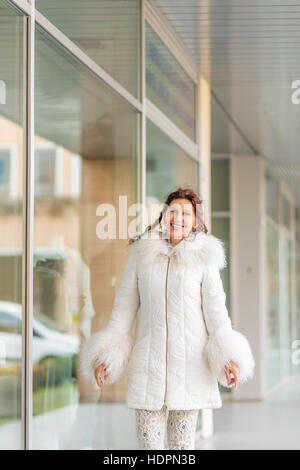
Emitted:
<point x="98" y="372"/>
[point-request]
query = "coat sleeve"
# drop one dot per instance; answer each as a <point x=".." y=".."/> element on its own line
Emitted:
<point x="224" y="343"/>
<point x="112" y="345"/>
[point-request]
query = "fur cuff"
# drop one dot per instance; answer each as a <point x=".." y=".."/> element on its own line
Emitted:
<point x="229" y="345"/>
<point x="107" y="346"/>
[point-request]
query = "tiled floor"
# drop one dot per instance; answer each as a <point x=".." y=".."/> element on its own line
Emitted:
<point x="270" y="424"/>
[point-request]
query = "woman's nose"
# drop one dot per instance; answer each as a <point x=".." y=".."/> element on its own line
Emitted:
<point x="178" y="219"/>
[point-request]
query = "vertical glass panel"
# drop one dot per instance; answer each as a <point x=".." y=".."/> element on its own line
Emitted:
<point x="285" y="212"/>
<point x="220" y="184"/>
<point x="85" y="156"/>
<point x="272" y="305"/>
<point x="297" y="224"/>
<point x="106" y="30"/>
<point x="221" y="229"/>
<point x="168" y="166"/>
<point x="297" y="366"/>
<point x="11" y="197"/>
<point x="272" y="195"/>
<point x="167" y="84"/>
<point x="286" y="307"/>
<point x="294" y="312"/>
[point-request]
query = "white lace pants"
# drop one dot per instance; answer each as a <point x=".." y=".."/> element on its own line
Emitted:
<point x="181" y="427"/>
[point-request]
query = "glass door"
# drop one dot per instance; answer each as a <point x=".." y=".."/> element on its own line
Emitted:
<point x="11" y="222"/>
<point x="286" y="304"/>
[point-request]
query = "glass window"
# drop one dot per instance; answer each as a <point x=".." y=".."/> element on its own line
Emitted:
<point x="272" y="195"/>
<point x="297" y="267"/>
<point x="45" y="171"/>
<point x="273" y="306"/>
<point x="168" y="166"/>
<point x="10" y="323"/>
<point x="107" y="31"/>
<point x="221" y="229"/>
<point x="220" y="184"/>
<point x="5" y="171"/>
<point x="11" y="201"/>
<point x="285" y="212"/>
<point x="167" y="84"/>
<point x="286" y="310"/>
<point x="297" y="223"/>
<point x="85" y="145"/>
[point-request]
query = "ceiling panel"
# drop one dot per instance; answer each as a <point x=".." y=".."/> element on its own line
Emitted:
<point x="249" y="51"/>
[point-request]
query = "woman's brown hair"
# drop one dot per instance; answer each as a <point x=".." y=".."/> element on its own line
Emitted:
<point x="179" y="193"/>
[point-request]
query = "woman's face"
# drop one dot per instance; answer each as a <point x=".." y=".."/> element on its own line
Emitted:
<point x="180" y="218"/>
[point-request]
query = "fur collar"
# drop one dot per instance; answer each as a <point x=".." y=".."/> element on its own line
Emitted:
<point x="200" y="248"/>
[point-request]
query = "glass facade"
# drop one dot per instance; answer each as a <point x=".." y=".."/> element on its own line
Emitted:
<point x="90" y="148"/>
<point x="167" y="166"/>
<point x="75" y="172"/>
<point x="167" y="84"/>
<point x="107" y="31"/>
<point x="221" y="220"/>
<point x="282" y="293"/>
<point x="11" y="214"/>
<point x="273" y="308"/>
<point x="87" y="154"/>
<point x="220" y="184"/>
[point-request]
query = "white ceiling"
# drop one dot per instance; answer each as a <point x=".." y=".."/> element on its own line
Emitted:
<point x="250" y="52"/>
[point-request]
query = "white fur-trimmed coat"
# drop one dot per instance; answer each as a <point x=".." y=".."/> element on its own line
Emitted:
<point x="183" y="338"/>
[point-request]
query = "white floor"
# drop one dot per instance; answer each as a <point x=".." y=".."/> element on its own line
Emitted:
<point x="270" y="424"/>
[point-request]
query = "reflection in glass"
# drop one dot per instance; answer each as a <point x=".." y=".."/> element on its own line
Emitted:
<point x="221" y="229"/>
<point x="286" y="314"/>
<point x="220" y="184"/>
<point x="107" y="31"/>
<point x="272" y="305"/>
<point x="272" y="196"/>
<point x="85" y="155"/>
<point x="168" y="85"/>
<point x="285" y="212"/>
<point x="11" y="197"/>
<point x="297" y="280"/>
<point x="168" y="166"/>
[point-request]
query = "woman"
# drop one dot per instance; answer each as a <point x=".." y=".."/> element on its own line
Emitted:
<point x="185" y="342"/>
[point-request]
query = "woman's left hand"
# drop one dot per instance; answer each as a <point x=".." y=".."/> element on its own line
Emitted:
<point x="235" y="370"/>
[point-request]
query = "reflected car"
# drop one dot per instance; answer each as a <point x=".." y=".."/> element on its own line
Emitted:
<point x="46" y="341"/>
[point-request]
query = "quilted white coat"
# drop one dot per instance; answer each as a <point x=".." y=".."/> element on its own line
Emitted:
<point x="184" y="335"/>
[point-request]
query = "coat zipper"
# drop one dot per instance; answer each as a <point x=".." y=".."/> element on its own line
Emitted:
<point x="166" y="298"/>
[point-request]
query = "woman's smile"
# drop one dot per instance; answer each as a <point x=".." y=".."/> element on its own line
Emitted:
<point x="176" y="226"/>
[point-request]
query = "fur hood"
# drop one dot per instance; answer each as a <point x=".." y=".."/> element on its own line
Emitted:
<point x="201" y="248"/>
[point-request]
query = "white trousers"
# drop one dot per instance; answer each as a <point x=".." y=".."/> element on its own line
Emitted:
<point x="181" y="428"/>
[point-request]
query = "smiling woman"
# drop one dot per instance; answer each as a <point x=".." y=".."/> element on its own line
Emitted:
<point x="172" y="284"/>
<point x="181" y="214"/>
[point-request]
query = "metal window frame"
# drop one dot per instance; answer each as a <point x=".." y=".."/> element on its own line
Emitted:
<point x="166" y="33"/>
<point x="28" y="226"/>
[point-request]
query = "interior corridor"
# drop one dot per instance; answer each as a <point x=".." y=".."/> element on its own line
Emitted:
<point x="270" y="424"/>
